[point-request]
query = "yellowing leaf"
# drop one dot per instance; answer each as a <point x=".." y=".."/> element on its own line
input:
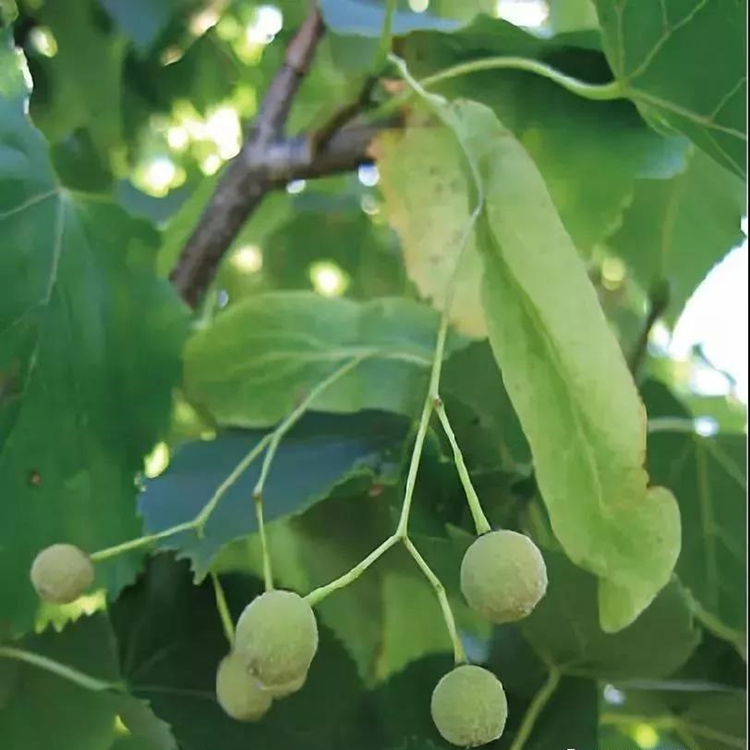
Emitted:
<point x="427" y="194"/>
<point x="569" y="383"/>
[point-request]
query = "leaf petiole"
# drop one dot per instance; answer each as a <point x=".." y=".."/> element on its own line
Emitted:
<point x="61" y="670"/>
<point x="480" y="519"/>
<point x="317" y="595"/>
<point x="223" y="609"/>
<point x="459" y="655"/>
<point x="541" y="699"/>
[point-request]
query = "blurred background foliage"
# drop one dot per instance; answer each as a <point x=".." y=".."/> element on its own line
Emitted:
<point x="142" y="102"/>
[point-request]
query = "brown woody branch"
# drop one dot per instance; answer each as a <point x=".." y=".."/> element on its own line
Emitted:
<point x="267" y="161"/>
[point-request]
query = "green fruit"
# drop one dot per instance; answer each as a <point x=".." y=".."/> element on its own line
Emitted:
<point x="277" y="638"/>
<point x="238" y="691"/>
<point x="61" y="573"/>
<point x="281" y="691"/>
<point x="503" y="576"/>
<point x="469" y="707"/>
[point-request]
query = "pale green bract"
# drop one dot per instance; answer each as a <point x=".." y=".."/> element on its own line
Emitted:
<point x="569" y="383"/>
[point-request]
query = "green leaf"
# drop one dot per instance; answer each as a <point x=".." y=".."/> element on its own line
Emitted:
<point x="390" y="616"/>
<point x="564" y="629"/>
<point x="315" y="456"/>
<point x="729" y="414"/>
<point x="572" y="697"/>
<point x="45" y="710"/>
<point x="527" y="681"/>
<point x="254" y="362"/>
<point x="664" y="57"/>
<point x="471" y="377"/>
<point x="716" y="722"/>
<point x="566" y="16"/>
<point x="333" y="229"/>
<point x="165" y="615"/>
<point x="428" y="196"/>
<point x="692" y="716"/>
<point x="708" y="476"/>
<point x="569" y="383"/>
<point x="12" y="67"/>
<point x="589" y="153"/>
<point x="676" y="230"/>
<point x="88" y="358"/>
<point x="74" y="93"/>
<point x="145" y="730"/>
<point x="143" y="20"/>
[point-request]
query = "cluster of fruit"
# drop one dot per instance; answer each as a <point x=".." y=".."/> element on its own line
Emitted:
<point x="503" y="577"/>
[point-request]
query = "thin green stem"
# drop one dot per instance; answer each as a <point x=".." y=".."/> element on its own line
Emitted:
<point x="411" y="477"/>
<point x="433" y="397"/>
<point x="480" y="519"/>
<point x="316" y="596"/>
<point x="385" y="36"/>
<point x="535" y="709"/>
<point x="198" y="523"/>
<point x="595" y="91"/>
<point x="202" y="517"/>
<point x="716" y="627"/>
<point x="294" y="416"/>
<point x="141" y="541"/>
<point x="275" y="440"/>
<point x="61" y="670"/>
<point x="272" y="438"/>
<point x="223" y="609"/>
<point x="592" y="91"/>
<point x="671" y="424"/>
<point x="264" y="546"/>
<point x="666" y="722"/>
<point x="459" y="655"/>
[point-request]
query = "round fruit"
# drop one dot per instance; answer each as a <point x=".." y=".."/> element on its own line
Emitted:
<point x="281" y="691"/>
<point x="277" y="638"/>
<point x="469" y="707"/>
<point x="503" y="576"/>
<point x="61" y="573"/>
<point x="238" y="691"/>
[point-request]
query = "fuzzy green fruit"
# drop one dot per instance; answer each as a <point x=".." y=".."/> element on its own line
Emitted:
<point x="469" y="707"/>
<point x="61" y="573"/>
<point x="238" y="692"/>
<point x="281" y="691"/>
<point x="277" y="638"/>
<point x="503" y="576"/>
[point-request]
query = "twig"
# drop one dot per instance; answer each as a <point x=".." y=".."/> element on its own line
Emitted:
<point x="242" y="187"/>
<point x="657" y="304"/>
<point x="348" y="112"/>
<point x="61" y="670"/>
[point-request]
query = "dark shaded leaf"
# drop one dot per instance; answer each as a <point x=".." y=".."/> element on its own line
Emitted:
<point x="565" y="631"/>
<point x="46" y="710"/>
<point x="316" y="455"/>
<point x="708" y="475"/>
<point x="171" y="642"/>
<point x="88" y="357"/>
<point x="663" y="55"/>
